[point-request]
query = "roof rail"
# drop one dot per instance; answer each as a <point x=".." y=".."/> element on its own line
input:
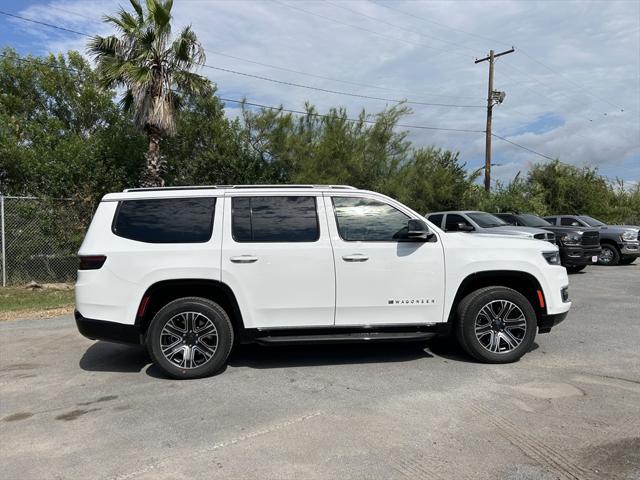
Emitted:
<point x="207" y="187"/>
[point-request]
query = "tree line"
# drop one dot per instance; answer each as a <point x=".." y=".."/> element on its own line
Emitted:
<point x="63" y="134"/>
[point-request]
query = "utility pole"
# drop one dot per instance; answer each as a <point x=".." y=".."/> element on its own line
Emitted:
<point x="492" y="98"/>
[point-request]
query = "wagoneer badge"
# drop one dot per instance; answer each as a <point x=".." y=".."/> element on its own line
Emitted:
<point x="413" y="301"/>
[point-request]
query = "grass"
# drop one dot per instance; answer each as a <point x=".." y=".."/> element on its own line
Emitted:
<point x="19" y="302"/>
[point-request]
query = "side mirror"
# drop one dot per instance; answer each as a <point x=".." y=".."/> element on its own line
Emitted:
<point x="463" y="227"/>
<point x="418" y="230"/>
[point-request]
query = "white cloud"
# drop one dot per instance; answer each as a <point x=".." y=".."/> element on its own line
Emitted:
<point x="593" y="49"/>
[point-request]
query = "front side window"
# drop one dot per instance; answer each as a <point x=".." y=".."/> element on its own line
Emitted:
<point x="274" y="219"/>
<point x="533" y="221"/>
<point x="453" y="221"/>
<point x="592" y="222"/>
<point x="367" y="220"/>
<point x="165" y="220"/>
<point x="569" y="222"/>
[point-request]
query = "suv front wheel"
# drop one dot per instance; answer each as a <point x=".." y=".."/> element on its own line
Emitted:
<point x="496" y="325"/>
<point x="190" y="338"/>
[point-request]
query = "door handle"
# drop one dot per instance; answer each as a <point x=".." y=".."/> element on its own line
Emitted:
<point x="356" y="257"/>
<point x="244" y="259"/>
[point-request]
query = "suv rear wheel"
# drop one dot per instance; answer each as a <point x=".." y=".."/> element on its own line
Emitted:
<point x="190" y="338"/>
<point x="496" y="325"/>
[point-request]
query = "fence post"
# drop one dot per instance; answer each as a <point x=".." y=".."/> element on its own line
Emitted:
<point x="4" y="249"/>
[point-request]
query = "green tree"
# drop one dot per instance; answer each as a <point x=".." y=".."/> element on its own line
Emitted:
<point x="153" y="69"/>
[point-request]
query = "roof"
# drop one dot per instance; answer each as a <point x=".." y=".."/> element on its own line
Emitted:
<point x="228" y="187"/>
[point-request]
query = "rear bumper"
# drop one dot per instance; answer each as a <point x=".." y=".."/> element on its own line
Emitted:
<point x="547" y="322"/>
<point x="107" y="331"/>
<point x="579" y="255"/>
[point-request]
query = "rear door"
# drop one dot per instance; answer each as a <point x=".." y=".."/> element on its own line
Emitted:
<point x="381" y="277"/>
<point x="277" y="259"/>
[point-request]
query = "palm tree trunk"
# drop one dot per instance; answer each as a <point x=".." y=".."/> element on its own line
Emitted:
<point x="154" y="164"/>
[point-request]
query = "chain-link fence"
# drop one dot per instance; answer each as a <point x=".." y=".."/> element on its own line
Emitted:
<point x="39" y="239"/>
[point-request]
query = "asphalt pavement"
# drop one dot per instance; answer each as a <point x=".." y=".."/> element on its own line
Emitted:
<point x="570" y="409"/>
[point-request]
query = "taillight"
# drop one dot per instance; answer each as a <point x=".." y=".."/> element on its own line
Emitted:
<point x="91" y="262"/>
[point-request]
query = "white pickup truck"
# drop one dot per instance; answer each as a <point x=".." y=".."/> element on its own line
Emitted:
<point x="189" y="271"/>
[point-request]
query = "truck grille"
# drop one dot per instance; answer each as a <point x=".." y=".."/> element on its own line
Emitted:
<point x="549" y="237"/>
<point x="590" y="238"/>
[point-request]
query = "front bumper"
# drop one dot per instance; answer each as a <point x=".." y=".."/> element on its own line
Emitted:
<point x="579" y="255"/>
<point x="547" y="322"/>
<point x="630" y="249"/>
<point x="107" y="331"/>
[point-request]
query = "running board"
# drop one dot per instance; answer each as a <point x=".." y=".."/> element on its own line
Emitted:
<point x="345" y="338"/>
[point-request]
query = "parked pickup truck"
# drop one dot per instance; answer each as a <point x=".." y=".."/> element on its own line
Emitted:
<point x="483" y="222"/>
<point x="579" y="246"/>
<point x="620" y="243"/>
<point x="190" y="271"/>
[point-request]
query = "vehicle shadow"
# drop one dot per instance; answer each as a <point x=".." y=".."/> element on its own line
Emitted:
<point x="113" y="357"/>
<point x="266" y="357"/>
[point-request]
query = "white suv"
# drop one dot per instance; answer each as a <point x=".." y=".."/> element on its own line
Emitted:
<point x="188" y="271"/>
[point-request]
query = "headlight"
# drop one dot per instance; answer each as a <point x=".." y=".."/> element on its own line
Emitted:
<point x="570" y="238"/>
<point x="629" y="236"/>
<point x="552" y="258"/>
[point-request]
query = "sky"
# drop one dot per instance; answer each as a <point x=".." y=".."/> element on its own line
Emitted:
<point x="572" y="85"/>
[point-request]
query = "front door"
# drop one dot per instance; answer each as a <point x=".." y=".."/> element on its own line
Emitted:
<point x="381" y="277"/>
<point x="277" y="259"/>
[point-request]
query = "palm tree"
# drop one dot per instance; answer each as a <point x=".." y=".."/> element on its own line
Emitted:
<point x="154" y="70"/>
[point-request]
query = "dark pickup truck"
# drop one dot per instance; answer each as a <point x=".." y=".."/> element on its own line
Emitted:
<point x="620" y="243"/>
<point x="579" y="246"/>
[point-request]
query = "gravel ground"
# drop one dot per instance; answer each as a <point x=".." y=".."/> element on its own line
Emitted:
<point x="570" y="409"/>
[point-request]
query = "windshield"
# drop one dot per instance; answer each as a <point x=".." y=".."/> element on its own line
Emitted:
<point x="486" y="220"/>
<point x="592" y="222"/>
<point x="533" y="221"/>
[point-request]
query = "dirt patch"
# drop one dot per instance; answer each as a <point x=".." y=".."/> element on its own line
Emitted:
<point x="618" y="459"/>
<point x="30" y="314"/>
<point x="18" y="416"/>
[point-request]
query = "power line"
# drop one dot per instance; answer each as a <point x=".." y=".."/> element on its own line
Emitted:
<point x="282" y="82"/>
<point x="45" y="24"/>
<point x="353" y="120"/>
<point x="337" y="92"/>
<point x="523" y="147"/>
<point x="331" y="79"/>
<point x="244" y="102"/>
<point x="373" y="32"/>
<point x="399" y="27"/>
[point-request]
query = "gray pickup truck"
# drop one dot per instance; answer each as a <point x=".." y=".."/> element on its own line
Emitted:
<point x="620" y="243"/>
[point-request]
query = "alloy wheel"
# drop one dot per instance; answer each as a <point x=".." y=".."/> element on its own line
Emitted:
<point x="606" y="256"/>
<point x="500" y="326"/>
<point x="189" y="340"/>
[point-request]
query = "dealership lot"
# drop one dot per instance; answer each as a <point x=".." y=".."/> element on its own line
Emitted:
<point x="72" y="408"/>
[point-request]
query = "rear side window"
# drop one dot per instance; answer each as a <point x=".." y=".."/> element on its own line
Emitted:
<point x="165" y="220"/>
<point x="436" y="219"/>
<point x="274" y="219"/>
<point x="366" y="220"/>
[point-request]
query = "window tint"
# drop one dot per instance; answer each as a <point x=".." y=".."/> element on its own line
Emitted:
<point x="366" y="220"/>
<point x="486" y="220"/>
<point x="569" y="221"/>
<point x="453" y="219"/>
<point x="274" y="219"/>
<point x="165" y="220"/>
<point x="436" y="219"/>
<point x="510" y="219"/>
<point x="551" y="220"/>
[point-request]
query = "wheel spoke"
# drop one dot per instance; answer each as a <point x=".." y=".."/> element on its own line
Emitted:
<point x="189" y="339"/>
<point x="511" y="339"/>
<point x="500" y="326"/>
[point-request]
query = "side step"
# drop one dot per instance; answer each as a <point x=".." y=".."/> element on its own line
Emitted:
<point x="345" y="338"/>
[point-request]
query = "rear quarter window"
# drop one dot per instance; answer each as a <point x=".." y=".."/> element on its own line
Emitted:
<point x="165" y="220"/>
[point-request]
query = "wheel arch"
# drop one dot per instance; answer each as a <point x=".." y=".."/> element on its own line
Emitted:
<point x="161" y="293"/>
<point x="523" y="282"/>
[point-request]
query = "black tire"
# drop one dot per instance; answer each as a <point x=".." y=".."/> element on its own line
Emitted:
<point x="627" y="260"/>
<point x="201" y="314"/>
<point x="609" y="256"/>
<point x="469" y="310"/>
<point x="575" y="268"/>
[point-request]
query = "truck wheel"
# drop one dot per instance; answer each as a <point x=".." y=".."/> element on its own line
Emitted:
<point x="575" y="268"/>
<point x="496" y="325"/>
<point x="190" y="337"/>
<point x="609" y="255"/>
<point x="627" y="260"/>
